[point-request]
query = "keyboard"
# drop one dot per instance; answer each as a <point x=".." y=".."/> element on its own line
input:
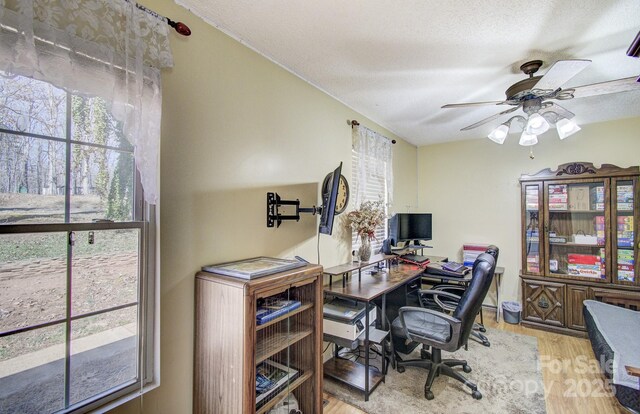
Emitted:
<point x="453" y="266"/>
<point x="416" y="258"/>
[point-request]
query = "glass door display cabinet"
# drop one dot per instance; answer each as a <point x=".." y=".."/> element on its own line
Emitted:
<point x="579" y="241"/>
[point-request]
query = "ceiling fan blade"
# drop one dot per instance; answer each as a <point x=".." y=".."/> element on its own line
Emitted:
<point x="603" y="88"/>
<point x="558" y="110"/>
<point x="464" y="105"/>
<point x="491" y="118"/>
<point x="560" y="73"/>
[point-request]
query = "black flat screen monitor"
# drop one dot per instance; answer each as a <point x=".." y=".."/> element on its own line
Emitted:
<point x="411" y="227"/>
<point x="329" y="196"/>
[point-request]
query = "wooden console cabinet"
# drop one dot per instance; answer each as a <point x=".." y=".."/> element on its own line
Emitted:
<point x="579" y="241"/>
<point x="230" y="345"/>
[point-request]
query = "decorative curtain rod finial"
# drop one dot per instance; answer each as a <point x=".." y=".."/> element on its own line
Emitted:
<point x="180" y="27"/>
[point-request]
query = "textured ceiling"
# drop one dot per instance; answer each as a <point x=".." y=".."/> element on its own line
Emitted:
<point x="398" y="62"/>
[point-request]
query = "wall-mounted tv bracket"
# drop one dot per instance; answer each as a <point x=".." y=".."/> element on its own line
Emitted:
<point x="273" y="215"/>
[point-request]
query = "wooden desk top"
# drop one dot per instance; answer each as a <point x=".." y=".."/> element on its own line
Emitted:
<point x="373" y="286"/>
<point x="350" y="267"/>
<point x="633" y="371"/>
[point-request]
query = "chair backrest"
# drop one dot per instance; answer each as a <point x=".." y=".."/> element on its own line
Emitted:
<point x="471" y="301"/>
<point x="493" y="251"/>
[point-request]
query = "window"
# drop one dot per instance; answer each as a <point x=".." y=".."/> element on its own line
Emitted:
<point x="75" y="254"/>
<point x="374" y="189"/>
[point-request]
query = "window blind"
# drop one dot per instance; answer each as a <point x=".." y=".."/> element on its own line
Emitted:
<point x="375" y="189"/>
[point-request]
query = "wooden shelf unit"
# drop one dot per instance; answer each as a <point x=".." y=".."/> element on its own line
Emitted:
<point x="229" y="344"/>
<point x="579" y="200"/>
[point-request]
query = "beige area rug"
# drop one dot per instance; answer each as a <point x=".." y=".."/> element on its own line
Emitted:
<point x="507" y="374"/>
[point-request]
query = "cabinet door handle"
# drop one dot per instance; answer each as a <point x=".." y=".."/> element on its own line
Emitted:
<point x="543" y="304"/>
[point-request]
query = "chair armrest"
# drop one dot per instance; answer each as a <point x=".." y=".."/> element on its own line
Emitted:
<point x="450" y="288"/>
<point x="436" y="293"/>
<point x="454" y="323"/>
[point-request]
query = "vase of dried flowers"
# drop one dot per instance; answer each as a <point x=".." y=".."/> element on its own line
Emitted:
<point x="364" y="251"/>
<point x="364" y="221"/>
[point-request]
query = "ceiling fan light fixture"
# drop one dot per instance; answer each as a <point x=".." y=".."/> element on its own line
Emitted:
<point x="526" y="139"/>
<point x="536" y="125"/>
<point x="499" y="134"/>
<point x="566" y="127"/>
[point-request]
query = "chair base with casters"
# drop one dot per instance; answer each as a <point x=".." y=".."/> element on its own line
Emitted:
<point x="478" y="333"/>
<point x="438" y="366"/>
<point x="441" y="330"/>
<point x="432" y="361"/>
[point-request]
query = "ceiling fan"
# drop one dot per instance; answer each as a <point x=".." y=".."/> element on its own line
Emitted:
<point x="537" y="96"/>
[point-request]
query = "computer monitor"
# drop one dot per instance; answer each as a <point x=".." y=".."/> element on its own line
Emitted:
<point x="411" y="227"/>
<point x="329" y="196"/>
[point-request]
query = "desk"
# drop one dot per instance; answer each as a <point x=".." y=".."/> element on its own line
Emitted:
<point x="365" y="289"/>
<point x="346" y="268"/>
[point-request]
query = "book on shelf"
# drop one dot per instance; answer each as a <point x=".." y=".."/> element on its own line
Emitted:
<point x="624" y="194"/>
<point x="274" y="308"/>
<point x="585" y="265"/>
<point x="558" y="189"/>
<point x="271" y="378"/>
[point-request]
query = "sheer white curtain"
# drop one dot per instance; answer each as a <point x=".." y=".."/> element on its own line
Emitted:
<point x="372" y="175"/>
<point x="106" y="48"/>
<point x="373" y="164"/>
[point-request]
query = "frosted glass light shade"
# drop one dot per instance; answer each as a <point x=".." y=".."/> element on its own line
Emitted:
<point x="528" y="139"/>
<point x="566" y="127"/>
<point x="499" y="134"/>
<point x="536" y="125"/>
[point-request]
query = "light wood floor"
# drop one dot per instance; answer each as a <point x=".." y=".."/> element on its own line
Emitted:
<point x="572" y="381"/>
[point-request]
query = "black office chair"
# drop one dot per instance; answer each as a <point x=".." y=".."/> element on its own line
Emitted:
<point x="442" y="331"/>
<point x="449" y="304"/>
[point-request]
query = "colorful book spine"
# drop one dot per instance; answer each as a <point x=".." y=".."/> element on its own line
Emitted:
<point x="558" y="197"/>
<point x="599" y="227"/>
<point x="625" y="231"/>
<point x="626" y="266"/>
<point x="625" y="257"/>
<point x="585" y="265"/>
<point x="597" y="198"/>
<point x="624" y="195"/>
<point x="587" y="259"/>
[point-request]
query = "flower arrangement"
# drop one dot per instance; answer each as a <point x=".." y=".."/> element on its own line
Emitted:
<point x="366" y="219"/>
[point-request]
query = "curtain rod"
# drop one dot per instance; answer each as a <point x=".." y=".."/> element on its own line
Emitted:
<point x="355" y="123"/>
<point x="179" y="27"/>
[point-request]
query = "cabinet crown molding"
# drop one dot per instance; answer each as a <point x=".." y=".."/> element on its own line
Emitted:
<point x="581" y="169"/>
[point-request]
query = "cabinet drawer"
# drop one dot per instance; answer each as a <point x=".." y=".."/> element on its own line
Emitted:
<point x="543" y="302"/>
